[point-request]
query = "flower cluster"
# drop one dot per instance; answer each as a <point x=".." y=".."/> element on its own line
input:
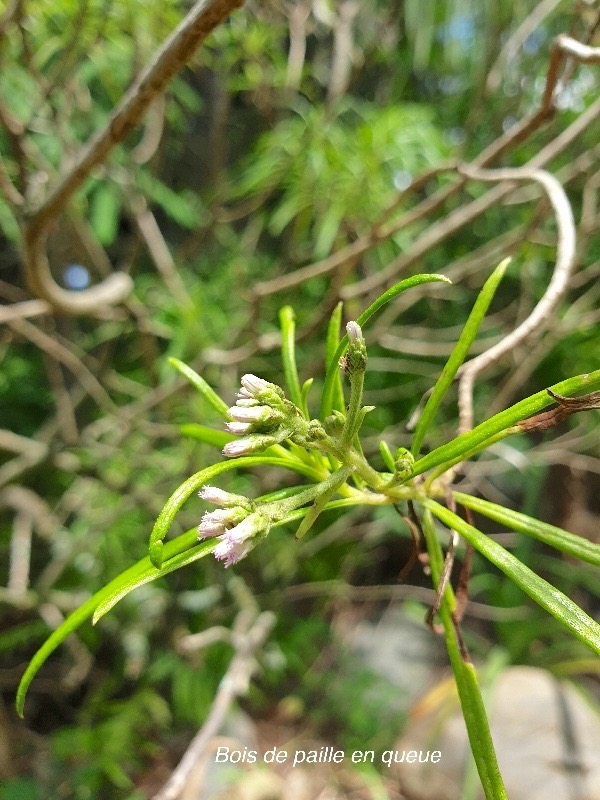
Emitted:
<point x="261" y="415"/>
<point x="236" y="524"/>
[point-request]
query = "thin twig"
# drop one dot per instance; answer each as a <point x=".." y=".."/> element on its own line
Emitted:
<point x="171" y="56"/>
<point x="516" y="40"/>
<point x="248" y="639"/>
<point x="515" y="135"/>
<point x="61" y="353"/>
<point x="20" y="554"/>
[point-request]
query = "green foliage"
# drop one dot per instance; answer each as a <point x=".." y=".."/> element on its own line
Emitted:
<point x="324" y="169"/>
<point x="251" y="179"/>
<point x="311" y="447"/>
<point x="104" y="750"/>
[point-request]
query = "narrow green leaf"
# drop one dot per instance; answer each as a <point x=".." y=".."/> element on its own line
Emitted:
<point x="331" y="346"/>
<point x="387" y="456"/>
<point x="74" y="620"/>
<point x="334" y="482"/>
<point x="105" y="207"/>
<point x="467" y="684"/>
<point x="555" y="537"/>
<point x="547" y="596"/>
<point x="465" y="340"/>
<point x="151" y="573"/>
<point x="193" y="483"/>
<point x="287" y="320"/>
<point x="207" y="392"/>
<point x="506" y="421"/>
<point x="207" y="435"/>
<point x="305" y="390"/>
<point x="394" y="291"/>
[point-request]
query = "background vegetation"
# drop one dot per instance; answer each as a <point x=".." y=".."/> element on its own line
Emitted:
<point x="282" y="165"/>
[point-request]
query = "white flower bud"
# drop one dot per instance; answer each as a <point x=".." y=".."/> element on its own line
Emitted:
<point x="253" y="385"/>
<point x="238" y="428"/>
<point x="217" y="523"/>
<point x="212" y="494"/>
<point x="248" y="445"/>
<point x="231" y="552"/>
<point x="246" y="528"/>
<point x="253" y="414"/>
<point x="354" y="332"/>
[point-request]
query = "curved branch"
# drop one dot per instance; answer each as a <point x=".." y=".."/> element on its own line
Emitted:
<point x="565" y="260"/>
<point x="175" y="51"/>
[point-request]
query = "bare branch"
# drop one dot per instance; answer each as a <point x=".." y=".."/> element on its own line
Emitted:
<point x="250" y="633"/>
<point x="61" y="353"/>
<point x="298" y="14"/>
<point x="158" y="249"/>
<point x="171" y="56"/>
<point x="376" y="234"/>
<point x="20" y="555"/>
<point x="28" y="308"/>
<point x="341" y="65"/>
<point x="565" y="260"/>
<point x="516" y="41"/>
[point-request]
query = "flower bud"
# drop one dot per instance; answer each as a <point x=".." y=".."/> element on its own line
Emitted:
<point x="256" y="415"/>
<point x="212" y="494"/>
<point x="334" y="424"/>
<point x="254" y="386"/>
<point x="355" y="359"/>
<point x="248" y="445"/>
<point x="403" y="463"/>
<point x="259" y="389"/>
<point x="216" y="523"/>
<point x="354" y="332"/>
<point x="231" y="552"/>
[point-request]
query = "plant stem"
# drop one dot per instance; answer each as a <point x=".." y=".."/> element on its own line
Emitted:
<point x="469" y="693"/>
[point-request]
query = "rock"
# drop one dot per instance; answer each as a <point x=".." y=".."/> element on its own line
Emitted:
<point x="405" y="653"/>
<point x="545" y="733"/>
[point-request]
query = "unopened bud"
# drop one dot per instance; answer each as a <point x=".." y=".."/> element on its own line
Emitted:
<point x="219" y="497"/>
<point x="403" y="463"/>
<point x="248" y="445"/>
<point x="355" y="359"/>
<point x="354" y="332"/>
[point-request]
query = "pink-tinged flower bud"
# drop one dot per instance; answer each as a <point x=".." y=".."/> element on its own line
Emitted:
<point x="238" y="428"/>
<point x="254" y="385"/>
<point x="231" y="552"/>
<point x="355" y="360"/>
<point x="248" y="445"/>
<point x="218" y="522"/>
<point x="212" y="494"/>
<point x="237" y="542"/>
<point x="354" y="332"/>
<point x="243" y="530"/>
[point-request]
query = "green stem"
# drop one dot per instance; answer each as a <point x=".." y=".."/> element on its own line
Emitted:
<point x="357" y="382"/>
<point x="469" y="693"/>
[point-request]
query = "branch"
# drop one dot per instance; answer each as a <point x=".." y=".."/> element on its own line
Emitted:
<point x="171" y="56"/>
<point x="516" y="41"/>
<point x="250" y="633"/>
<point x="565" y="260"/>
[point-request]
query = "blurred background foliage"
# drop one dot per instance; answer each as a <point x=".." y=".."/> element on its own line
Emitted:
<point x="297" y="129"/>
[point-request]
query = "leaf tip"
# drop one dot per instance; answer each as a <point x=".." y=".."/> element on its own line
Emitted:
<point x="20" y="701"/>
<point x="155" y="552"/>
